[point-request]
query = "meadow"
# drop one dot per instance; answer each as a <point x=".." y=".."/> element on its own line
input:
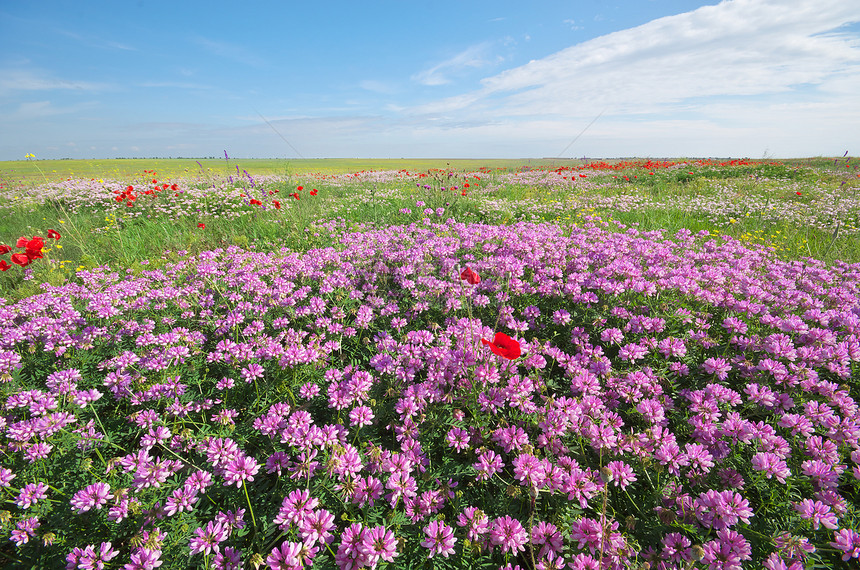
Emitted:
<point x="406" y="364"/>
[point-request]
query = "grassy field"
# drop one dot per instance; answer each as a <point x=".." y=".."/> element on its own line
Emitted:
<point x="470" y="365"/>
<point x="38" y="171"/>
<point x="805" y="208"/>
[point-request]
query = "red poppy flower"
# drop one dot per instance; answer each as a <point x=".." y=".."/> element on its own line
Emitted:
<point x="470" y="276"/>
<point x="3" y="265"/>
<point x="34" y="250"/>
<point x="4" y="249"/>
<point x="504" y="346"/>
<point x="53" y="234"/>
<point x="300" y="188"/>
<point x="33" y="246"/>
<point x="21" y="259"/>
<point x="314" y="192"/>
<point x="295" y="195"/>
<point x="201" y="225"/>
<point x="799" y="193"/>
<point x="277" y="204"/>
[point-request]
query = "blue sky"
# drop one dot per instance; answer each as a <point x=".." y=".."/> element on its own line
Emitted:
<point x="470" y="79"/>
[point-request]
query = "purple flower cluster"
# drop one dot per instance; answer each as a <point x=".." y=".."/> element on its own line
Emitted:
<point x="668" y="387"/>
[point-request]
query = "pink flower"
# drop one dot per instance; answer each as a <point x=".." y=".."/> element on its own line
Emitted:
<point x="458" y="438"/>
<point x="287" y="556"/>
<point x="771" y="465"/>
<point x="718" y="366"/>
<point x="622" y="474"/>
<point x="848" y="541"/>
<point x="239" y="470"/>
<point x="295" y="507"/>
<point x="477" y="522"/>
<point x="728" y="551"/>
<point x="440" y="539"/>
<point x="361" y="416"/>
<point x="508" y="533"/>
<point x="31" y="494"/>
<point x="818" y="512"/>
<point x="206" y="540"/>
<point x="377" y="544"/>
<point x="316" y="526"/>
<point x="94" y="495"/>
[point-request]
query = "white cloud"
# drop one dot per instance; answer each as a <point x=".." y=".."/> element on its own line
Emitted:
<point x="231" y="51"/>
<point x="32" y="110"/>
<point x="21" y="80"/>
<point x="375" y="86"/>
<point x="736" y="48"/>
<point x="174" y="85"/>
<point x="475" y="56"/>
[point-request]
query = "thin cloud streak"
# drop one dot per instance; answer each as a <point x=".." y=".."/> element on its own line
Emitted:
<point x="227" y="50"/>
<point x="475" y="56"/>
<point x="19" y="80"/>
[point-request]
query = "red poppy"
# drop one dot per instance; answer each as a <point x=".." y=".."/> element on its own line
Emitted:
<point x="504" y="346"/>
<point x="34" y="249"/>
<point x="3" y="265"/>
<point x="314" y="192"/>
<point x="201" y="225"/>
<point x="798" y="193"/>
<point x="21" y="259"/>
<point x="300" y="188"/>
<point x="470" y="276"/>
<point x="4" y="249"/>
<point x="53" y="234"/>
<point x="295" y="195"/>
<point x="277" y="204"/>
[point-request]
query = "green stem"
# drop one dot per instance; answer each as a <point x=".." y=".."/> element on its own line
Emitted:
<point x="251" y="509"/>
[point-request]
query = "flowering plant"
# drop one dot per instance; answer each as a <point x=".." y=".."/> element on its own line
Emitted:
<point x="672" y="400"/>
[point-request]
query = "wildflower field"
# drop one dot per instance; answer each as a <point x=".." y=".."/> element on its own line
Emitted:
<point x="584" y="365"/>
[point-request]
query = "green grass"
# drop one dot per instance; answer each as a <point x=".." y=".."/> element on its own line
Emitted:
<point x="749" y="202"/>
<point x="37" y="171"/>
